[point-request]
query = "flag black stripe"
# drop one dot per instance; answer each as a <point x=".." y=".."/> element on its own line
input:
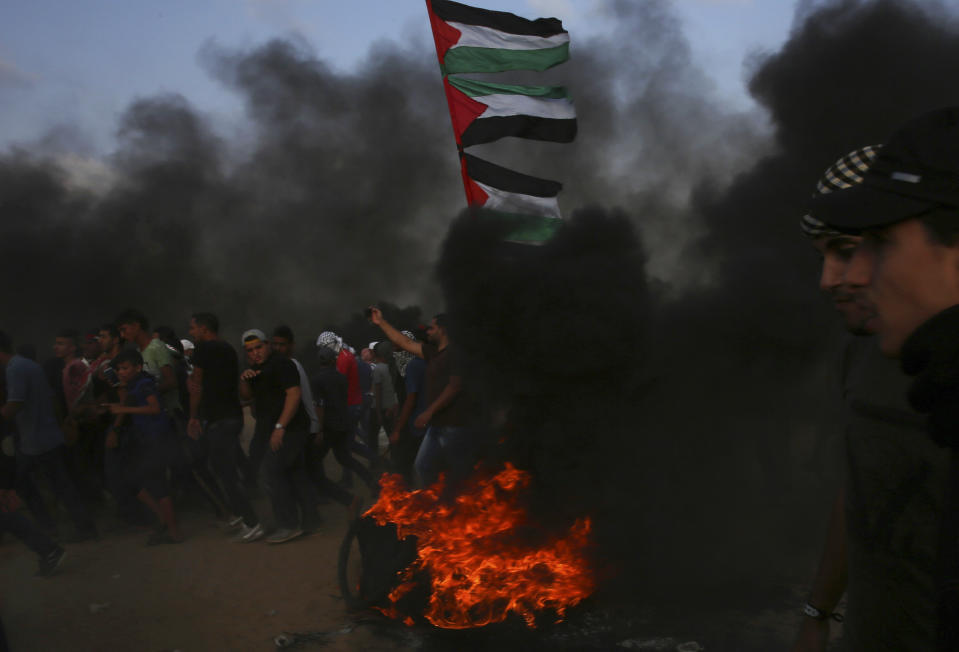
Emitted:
<point x="500" y="20"/>
<point x="509" y="180"/>
<point x="487" y="130"/>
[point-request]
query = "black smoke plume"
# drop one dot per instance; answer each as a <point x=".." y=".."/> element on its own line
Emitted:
<point x="338" y="189"/>
<point x="685" y="411"/>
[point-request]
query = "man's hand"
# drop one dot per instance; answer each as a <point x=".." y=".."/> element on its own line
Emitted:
<point x="249" y="374"/>
<point x="813" y="636"/>
<point x="112" y="441"/>
<point x="424" y="419"/>
<point x="193" y="428"/>
<point x="276" y="439"/>
<point x="115" y="408"/>
<point x="376" y="315"/>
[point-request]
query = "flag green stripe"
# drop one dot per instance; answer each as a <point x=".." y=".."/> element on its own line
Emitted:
<point x="467" y="59"/>
<point x="475" y="88"/>
<point x="529" y="229"/>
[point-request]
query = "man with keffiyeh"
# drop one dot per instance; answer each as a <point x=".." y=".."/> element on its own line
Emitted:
<point x="881" y="543"/>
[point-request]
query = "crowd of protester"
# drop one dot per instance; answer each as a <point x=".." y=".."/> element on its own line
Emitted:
<point x="133" y="419"/>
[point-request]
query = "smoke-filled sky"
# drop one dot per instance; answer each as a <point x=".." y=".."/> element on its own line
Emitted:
<point x="82" y="63"/>
<point x="335" y="184"/>
<point x="188" y="158"/>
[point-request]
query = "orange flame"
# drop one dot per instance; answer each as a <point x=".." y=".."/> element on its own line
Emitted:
<point x="479" y="573"/>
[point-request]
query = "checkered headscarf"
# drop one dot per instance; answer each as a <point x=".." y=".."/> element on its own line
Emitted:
<point x="330" y="340"/>
<point x="402" y="356"/>
<point x="845" y="173"/>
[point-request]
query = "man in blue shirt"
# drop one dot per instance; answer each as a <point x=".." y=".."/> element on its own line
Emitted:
<point x="41" y="445"/>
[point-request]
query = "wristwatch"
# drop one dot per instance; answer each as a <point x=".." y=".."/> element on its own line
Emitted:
<point x="279" y="426"/>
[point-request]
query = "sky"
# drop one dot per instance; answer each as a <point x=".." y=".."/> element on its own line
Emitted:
<point x="71" y="67"/>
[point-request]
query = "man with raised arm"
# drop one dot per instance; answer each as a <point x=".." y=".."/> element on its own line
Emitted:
<point x="449" y="444"/>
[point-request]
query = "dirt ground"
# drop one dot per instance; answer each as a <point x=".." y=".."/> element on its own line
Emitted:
<point x="205" y="594"/>
<point x="211" y="594"/>
<point x="208" y="593"/>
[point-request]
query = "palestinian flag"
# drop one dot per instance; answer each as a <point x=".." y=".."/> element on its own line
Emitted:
<point x="528" y="202"/>
<point x="479" y="40"/>
<point x="483" y="111"/>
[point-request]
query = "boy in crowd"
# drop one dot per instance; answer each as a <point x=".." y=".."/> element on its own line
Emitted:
<point x="149" y="442"/>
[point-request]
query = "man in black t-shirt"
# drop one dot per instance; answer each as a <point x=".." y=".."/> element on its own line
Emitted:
<point x="273" y="383"/>
<point x="216" y="418"/>
<point x="449" y="444"/>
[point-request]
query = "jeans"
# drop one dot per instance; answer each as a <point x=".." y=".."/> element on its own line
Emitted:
<point x="284" y="476"/>
<point x="339" y="443"/>
<point x="217" y="447"/>
<point x="27" y="531"/>
<point x="446" y="448"/>
<point x="53" y="466"/>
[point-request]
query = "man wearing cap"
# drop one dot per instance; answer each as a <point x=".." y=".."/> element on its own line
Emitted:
<point x="273" y="384"/>
<point x="216" y="418"/>
<point x="907" y="211"/>
<point x="881" y="542"/>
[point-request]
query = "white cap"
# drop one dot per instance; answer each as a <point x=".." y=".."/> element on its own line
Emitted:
<point x="187" y="345"/>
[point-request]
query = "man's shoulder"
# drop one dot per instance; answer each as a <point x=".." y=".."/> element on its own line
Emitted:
<point x="216" y="349"/>
<point x="20" y="367"/>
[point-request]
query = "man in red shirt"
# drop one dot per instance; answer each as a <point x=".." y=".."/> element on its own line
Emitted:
<point x="346" y="365"/>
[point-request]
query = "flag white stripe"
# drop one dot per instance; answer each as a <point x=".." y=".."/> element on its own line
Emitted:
<point x="511" y="202"/>
<point x="501" y="105"/>
<point x="475" y="36"/>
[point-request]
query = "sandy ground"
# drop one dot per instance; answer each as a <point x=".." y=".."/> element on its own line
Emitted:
<point x="205" y="594"/>
<point x="208" y="593"/>
<point x="211" y="594"/>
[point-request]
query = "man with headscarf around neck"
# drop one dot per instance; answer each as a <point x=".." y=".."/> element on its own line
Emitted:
<point x="907" y="212"/>
<point x="880" y="549"/>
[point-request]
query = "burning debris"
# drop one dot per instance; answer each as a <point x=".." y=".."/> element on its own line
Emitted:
<point x="482" y="554"/>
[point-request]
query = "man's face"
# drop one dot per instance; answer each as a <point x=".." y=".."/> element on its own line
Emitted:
<point x="849" y="299"/>
<point x="196" y="331"/>
<point x="91" y="349"/>
<point x="64" y="347"/>
<point x="257" y="351"/>
<point x="282" y="345"/>
<point x="434" y="332"/>
<point x="366" y="355"/>
<point x="910" y="279"/>
<point x="126" y="371"/>
<point x="106" y="340"/>
<point x="129" y="332"/>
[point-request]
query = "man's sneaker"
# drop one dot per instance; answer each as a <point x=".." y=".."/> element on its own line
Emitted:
<point x="49" y="563"/>
<point x="249" y="534"/>
<point x="229" y="523"/>
<point x="284" y="534"/>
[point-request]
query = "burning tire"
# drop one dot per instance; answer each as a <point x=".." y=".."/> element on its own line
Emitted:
<point x="369" y="561"/>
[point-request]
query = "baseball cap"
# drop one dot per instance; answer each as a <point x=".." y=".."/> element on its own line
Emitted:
<point x="252" y="334"/>
<point x="916" y="171"/>
<point x="842" y="175"/>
